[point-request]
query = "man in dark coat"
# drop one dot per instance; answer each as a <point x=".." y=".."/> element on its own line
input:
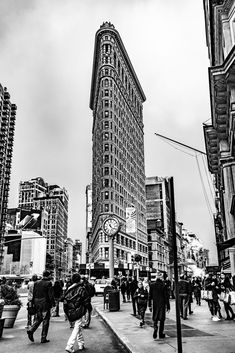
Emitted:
<point x="158" y="296"/>
<point x="44" y="300"/>
<point x="91" y="292"/>
<point x="133" y="286"/>
<point x="183" y="288"/>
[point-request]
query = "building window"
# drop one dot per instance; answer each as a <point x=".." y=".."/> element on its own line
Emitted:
<point x="106" y="183"/>
<point x="106" y="135"/>
<point x="106" y="146"/>
<point x="106" y="171"/>
<point x="106" y="125"/>
<point x="106" y="253"/>
<point x="106" y="207"/>
<point x="106" y="82"/>
<point x="106" y="158"/>
<point x="106" y="195"/>
<point x="106" y="92"/>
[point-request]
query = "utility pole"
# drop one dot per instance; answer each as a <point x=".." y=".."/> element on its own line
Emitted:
<point x="174" y="245"/>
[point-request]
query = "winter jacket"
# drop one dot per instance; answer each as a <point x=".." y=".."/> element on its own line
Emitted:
<point x="141" y="295"/>
<point x="158" y="295"/>
<point x="43" y="294"/>
<point x="76" y="299"/>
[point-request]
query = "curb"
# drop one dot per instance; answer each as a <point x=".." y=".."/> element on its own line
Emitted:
<point x="125" y="344"/>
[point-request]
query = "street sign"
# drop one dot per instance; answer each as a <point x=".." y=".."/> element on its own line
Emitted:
<point x="90" y="266"/>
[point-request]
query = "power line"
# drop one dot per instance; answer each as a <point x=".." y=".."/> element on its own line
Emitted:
<point x="181" y="144"/>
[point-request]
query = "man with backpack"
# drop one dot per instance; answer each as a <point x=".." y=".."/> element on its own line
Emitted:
<point x="75" y="300"/>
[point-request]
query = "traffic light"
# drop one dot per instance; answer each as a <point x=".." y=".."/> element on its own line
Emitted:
<point x="137" y="258"/>
<point x="132" y="258"/>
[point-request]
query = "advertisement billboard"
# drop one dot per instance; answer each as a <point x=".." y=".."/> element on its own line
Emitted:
<point x="130" y="220"/>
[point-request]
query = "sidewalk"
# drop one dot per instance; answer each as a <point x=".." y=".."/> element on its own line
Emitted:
<point x="199" y="333"/>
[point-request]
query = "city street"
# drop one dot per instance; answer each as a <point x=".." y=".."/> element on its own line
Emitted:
<point x="98" y="338"/>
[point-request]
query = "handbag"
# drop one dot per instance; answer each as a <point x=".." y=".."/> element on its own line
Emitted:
<point x="206" y="294"/>
<point x="221" y="296"/>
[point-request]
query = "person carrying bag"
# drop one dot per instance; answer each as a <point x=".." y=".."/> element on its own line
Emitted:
<point x="75" y="303"/>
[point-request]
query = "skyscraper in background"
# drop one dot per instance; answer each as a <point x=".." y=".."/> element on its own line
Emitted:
<point x="7" y="128"/>
<point x="118" y="177"/>
<point x="38" y="195"/>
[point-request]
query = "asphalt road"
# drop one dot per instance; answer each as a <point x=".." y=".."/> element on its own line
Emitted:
<point x="98" y="338"/>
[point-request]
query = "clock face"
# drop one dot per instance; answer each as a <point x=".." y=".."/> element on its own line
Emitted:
<point x="111" y="226"/>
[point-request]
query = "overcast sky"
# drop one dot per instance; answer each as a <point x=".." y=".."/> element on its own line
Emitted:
<point x="46" y="63"/>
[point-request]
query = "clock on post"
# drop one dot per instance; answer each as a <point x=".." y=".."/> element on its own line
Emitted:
<point x="111" y="226"/>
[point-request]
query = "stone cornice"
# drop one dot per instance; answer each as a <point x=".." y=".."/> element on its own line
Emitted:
<point x="212" y="148"/>
<point x="221" y="78"/>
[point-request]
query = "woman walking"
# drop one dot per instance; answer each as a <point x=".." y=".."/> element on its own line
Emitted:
<point x="226" y="287"/>
<point x="141" y="296"/>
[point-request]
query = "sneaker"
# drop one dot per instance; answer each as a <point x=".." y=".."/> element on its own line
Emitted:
<point x="215" y="318"/>
<point x="80" y="347"/>
<point x="69" y="350"/>
<point x="141" y="324"/>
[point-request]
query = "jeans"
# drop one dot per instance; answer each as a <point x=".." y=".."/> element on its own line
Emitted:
<point x="183" y="299"/>
<point x="56" y="308"/>
<point x="76" y="335"/>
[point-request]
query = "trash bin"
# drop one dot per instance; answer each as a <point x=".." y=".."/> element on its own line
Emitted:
<point x="2" y="321"/>
<point x="114" y="300"/>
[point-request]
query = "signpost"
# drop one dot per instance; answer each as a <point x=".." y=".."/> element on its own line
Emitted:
<point x="174" y="245"/>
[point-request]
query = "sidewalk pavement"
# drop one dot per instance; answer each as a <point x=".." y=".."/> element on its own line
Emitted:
<point x="199" y="332"/>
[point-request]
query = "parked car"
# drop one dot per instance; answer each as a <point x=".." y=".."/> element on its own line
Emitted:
<point x="100" y="284"/>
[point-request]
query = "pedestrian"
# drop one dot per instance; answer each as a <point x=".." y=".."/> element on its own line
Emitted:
<point x="190" y="299"/>
<point x="146" y="283"/>
<point x="167" y="282"/>
<point x="159" y="303"/>
<point x="128" y="292"/>
<point x="43" y="300"/>
<point x="133" y="286"/>
<point x="114" y="283"/>
<point x="91" y="292"/>
<point x="225" y="287"/>
<point x="3" y="287"/>
<point x="197" y="290"/>
<point x="211" y="284"/>
<point x="123" y="289"/>
<point x="75" y="299"/>
<point x="31" y="315"/>
<point x="57" y="292"/>
<point x="183" y="289"/>
<point x="141" y="295"/>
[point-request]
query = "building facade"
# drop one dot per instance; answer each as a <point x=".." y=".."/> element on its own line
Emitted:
<point x="29" y="190"/>
<point x="7" y="129"/>
<point x="158" y="222"/>
<point x="88" y="222"/>
<point x="118" y="176"/>
<point x="220" y="133"/>
<point x="54" y="200"/>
